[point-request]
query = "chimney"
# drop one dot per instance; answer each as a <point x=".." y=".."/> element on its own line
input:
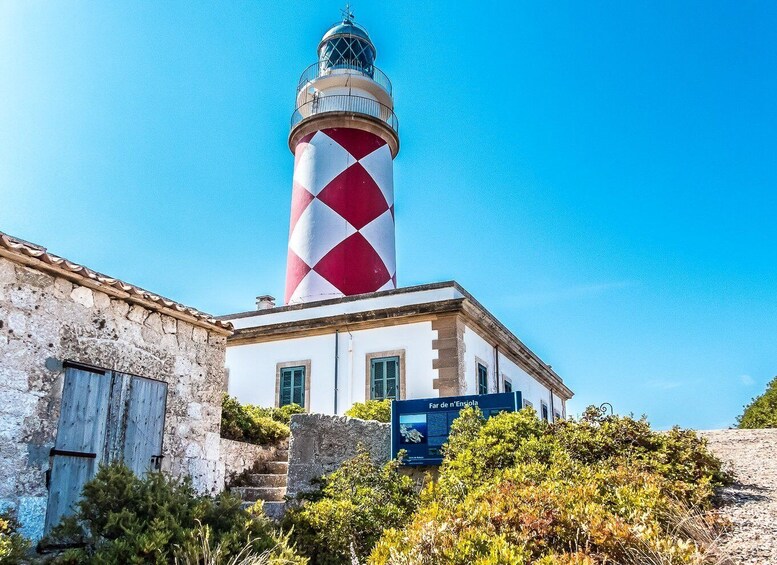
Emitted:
<point x="265" y="302"/>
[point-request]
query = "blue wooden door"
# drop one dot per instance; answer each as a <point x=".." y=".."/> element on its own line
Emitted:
<point x="80" y="443"/>
<point x="104" y="416"/>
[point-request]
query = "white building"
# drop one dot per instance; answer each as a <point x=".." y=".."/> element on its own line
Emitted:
<point x="348" y="333"/>
<point x="416" y="342"/>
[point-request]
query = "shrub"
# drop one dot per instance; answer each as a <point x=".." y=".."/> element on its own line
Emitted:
<point x="13" y="546"/>
<point x="514" y="489"/>
<point x="762" y="411"/>
<point x="347" y="515"/>
<point x="125" y="519"/>
<point x="379" y="410"/>
<point x="255" y="424"/>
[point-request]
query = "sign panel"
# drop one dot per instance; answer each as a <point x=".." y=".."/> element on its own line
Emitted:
<point x="421" y="426"/>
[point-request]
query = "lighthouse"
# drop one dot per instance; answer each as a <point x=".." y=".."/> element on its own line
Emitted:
<point x="344" y="136"/>
<point x="347" y="333"/>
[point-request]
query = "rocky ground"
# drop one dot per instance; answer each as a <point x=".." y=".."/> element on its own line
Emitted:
<point x="751" y="503"/>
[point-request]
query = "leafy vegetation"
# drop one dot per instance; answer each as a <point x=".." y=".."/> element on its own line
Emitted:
<point x="255" y="424"/>
<point x="762" y="411"/>
<point x="517" y="490"/>
<point x="342" y="521"/>
<point x="13" y="546"/>
<point x="379" y="410"/>
<point x="125" y="519"/>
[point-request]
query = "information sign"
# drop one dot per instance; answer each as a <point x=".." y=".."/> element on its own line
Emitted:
<point x="421" y="426"/>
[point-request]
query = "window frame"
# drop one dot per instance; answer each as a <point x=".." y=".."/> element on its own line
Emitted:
<point x="544" y="411"/>
<point x="305" y="365"/>
<point x="507" y="383"/>
<point x="401" y="379"/>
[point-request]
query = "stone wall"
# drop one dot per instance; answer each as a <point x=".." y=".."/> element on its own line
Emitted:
<point x="45" y="320"/>
<point x="320" y="443"/>
<point x="237" y="456"/>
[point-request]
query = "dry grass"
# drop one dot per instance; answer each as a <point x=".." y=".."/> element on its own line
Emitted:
<point x="701" y="530"/>
<point x="204" y="554"/>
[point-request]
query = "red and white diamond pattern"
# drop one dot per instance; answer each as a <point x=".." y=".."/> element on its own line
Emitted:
<point x="341" y="238"/>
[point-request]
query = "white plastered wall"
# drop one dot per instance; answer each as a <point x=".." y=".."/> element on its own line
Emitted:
<point x="477" y="348"/>
<point x="252" y="368"/>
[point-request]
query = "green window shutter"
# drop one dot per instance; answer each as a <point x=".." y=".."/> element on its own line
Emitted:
<point x="392" y="368"/>
<point x="482" y="379"/>
<point x="293" y="386"/>
<point x="384" y="378"/>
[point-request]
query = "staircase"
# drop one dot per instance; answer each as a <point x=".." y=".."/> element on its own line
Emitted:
<point x="266" y="482"/>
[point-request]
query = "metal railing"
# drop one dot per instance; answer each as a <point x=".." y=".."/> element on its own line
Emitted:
<point x="345" y="103"/>
<point x="324" y="68"/>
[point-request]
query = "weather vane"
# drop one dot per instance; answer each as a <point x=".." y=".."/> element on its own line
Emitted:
<point x="347" y="14"/>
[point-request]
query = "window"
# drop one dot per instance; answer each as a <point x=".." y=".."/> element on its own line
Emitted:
<point x="384" y="377"/>
<point x="508" y="386"/>
<point x="292" y="386"/>
<point x="556" y="415"/>
<point x="482" y="379"/>
<point x="544" y="411"/>
<point x="527" y="403"/>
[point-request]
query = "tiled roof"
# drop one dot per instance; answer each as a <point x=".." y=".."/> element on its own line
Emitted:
<point x="111" y="286"/>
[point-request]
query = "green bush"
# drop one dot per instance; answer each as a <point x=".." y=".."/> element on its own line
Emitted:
<point x="13" y="546"/>
<point x="353" y="507"/>
<point x="515" y="489"/>
<point x="379" y="410"/>
<point x="255" y="424"/>
<point x="125" y="519"/>
<point x="762" y="411"/>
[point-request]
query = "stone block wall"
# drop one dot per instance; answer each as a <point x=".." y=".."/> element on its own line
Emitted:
<point x="320" y="443"/>
<point x="45" y="320"/>
<point x="237" y="456"/>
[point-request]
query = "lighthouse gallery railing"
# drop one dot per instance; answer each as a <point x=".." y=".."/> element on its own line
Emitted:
<point x="325" y="68"/>
<point x="346" y="103"/>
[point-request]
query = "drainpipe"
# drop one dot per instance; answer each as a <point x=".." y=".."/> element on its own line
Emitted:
<point x="496" y="365"/>
<point x="350" y="368"/>
<point x="337" y="358"/>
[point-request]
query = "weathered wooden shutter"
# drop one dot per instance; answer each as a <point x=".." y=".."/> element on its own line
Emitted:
<point x="104" y="417"/>
<point x="144" y="425"/>
<point x="80" y="444"/>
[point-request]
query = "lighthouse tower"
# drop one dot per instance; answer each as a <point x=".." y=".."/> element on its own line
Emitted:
<point x="344" y="136"/>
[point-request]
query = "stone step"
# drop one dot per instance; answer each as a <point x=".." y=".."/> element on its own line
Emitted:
<point x="273" y="509"/>
<point x="252" y="494"/>
<point x="281" y="455"/>
<point x="267" y="480"/>
<point x="277" y="467"/>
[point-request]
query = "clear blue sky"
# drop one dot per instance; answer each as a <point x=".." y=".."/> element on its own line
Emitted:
<point x="601" y="175"/>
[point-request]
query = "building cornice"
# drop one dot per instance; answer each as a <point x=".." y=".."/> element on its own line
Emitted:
<point x="348" y="321"/>
<point x="470" y="310"/>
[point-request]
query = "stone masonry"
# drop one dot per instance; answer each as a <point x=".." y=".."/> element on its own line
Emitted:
<point x="320" y="443"/>
<point x="46" y="319"/>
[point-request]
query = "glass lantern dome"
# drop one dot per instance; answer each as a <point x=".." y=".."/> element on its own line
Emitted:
<point x="347" y="46"/>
